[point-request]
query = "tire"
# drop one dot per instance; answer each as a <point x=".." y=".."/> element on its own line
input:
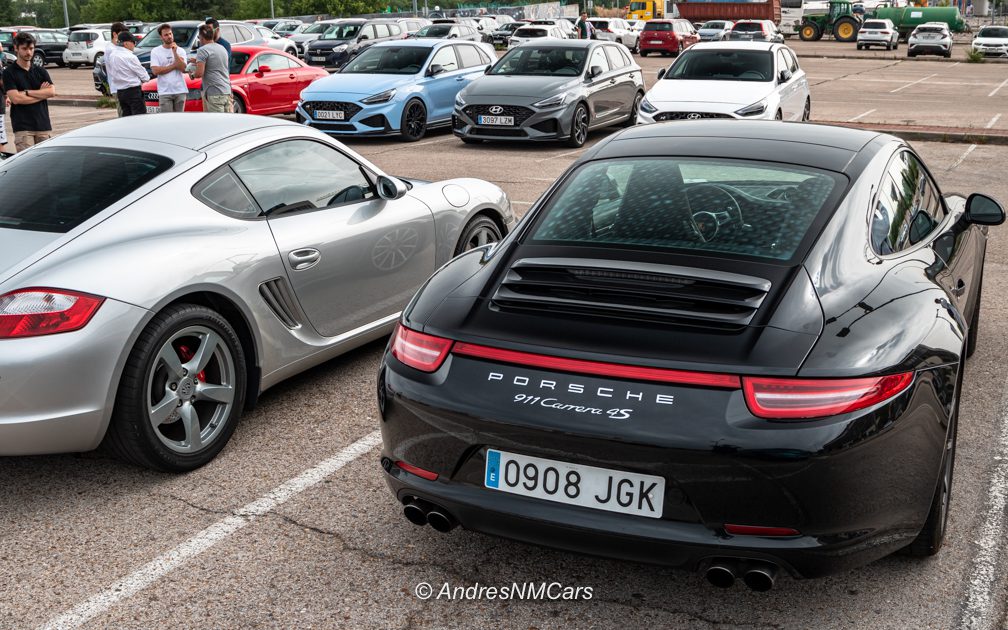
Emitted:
<point x="860" y="47"/>
<point x="632" y="119"/>
<point x="809" y="32"/>
<point x="97" y="58"/>
<point x="636" y="47"/>
<point x="413" y="124"/>
<point x="579" y="127"/>
<point x="948" y="55"/>
<point x="73" y="66"/>
<point x="643" y="53"/>
<point x="239" y="105"/>
<point x="679" y="49"/>
<point x="807" y="112"/>
<point x="895" y="45"/>
<point x="929" y="540"/>
<point x="973" y="335"/>
<point x="911" y="55"/>
<point x="845" y="29"/>
<point x="779" y="116"/>
<point x="178" y="334"/>
<point x="480" y="231"/>
<point x="38" y="59"/>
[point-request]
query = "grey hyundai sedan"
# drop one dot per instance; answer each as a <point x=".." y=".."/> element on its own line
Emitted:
<point x="551" y="90"/>
<point x="157" y="273"/>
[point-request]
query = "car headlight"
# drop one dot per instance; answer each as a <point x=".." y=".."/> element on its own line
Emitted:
<point x="553" y="101"/>
<point x="647" y="107"/>
<point x="753" y="110"/>
<point x="339" y="48"/>
<point x="459" y="101"/>
<point x="380" y="97"/>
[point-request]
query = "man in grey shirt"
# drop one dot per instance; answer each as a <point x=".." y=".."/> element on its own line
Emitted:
<point x="212" y="67"/>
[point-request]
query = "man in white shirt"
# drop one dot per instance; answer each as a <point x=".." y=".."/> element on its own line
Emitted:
<point x="168" y="65"/>
<point x="127" y="73"/>
<point x="117" y="27"/>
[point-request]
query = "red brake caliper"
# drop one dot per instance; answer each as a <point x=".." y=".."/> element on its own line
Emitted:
<point x="186" y="354"/>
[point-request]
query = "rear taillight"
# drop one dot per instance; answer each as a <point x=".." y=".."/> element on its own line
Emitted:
<point x="885" y="32"/>
<point x="419" y="351"/>
<point x="812" y="398"/>
<point x="33" y="312"/>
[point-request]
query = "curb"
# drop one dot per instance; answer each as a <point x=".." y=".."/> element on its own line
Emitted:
<point x="994" y="60"/>
<point x="80" y="101"/>
<point x="956" y="135"/>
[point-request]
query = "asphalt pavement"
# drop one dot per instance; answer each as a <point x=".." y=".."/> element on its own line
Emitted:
<point x="292" y="525"/>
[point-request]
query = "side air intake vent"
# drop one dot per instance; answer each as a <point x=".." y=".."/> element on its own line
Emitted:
<point x="629" y="290"/>
<point x="281" y="301"/>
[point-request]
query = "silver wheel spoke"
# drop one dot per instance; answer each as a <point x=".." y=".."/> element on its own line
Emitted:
<point x="160" y="411"/>
<point x="208" y="343"/>
<point x="483" y="238"/>
<point x="192" y="427"/>
<point x="171" y="360"/>
<point x="215" y="393"/>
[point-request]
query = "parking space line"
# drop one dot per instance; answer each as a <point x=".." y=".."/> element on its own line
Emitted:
<point x="168" y="562"/>
<point x="860" y="116"/>
<point x="914" y="83"/>
<point x="995" y="90"/>
<point x="547" y="159"/>
<point x="993" y="121"/>
<point x="962" y="157"/>
<point x="985" y="570"/>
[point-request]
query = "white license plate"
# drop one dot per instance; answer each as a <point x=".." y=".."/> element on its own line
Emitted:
<point x="318" y="58"/>
<point x="76" y="54"/>
<point x="153" y="109"/>
<point x="655" y="41"/>
<point x="323" y="114"/>
<point x="495" y="120"/>
<point x="575" y="484"/>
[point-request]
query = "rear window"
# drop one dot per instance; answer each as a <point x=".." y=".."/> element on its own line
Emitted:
<point x="82" y="36"/>
<point x="873" y="25"/>
<point x="749" y="27"/>
<point x="530" y="32"/>
<point x="930" y="29"/>
<point x="599" y="23"/>
<point x="745" y="208"/>
<point x="658" y="26"/>
<point x="713" y="25"/>
<point x="55" y="189"/>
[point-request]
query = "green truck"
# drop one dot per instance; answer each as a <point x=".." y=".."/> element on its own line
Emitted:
<point x="906" y="19"/>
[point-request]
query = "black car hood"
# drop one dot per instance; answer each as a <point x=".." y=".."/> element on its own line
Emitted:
<point x="517" y="298"/>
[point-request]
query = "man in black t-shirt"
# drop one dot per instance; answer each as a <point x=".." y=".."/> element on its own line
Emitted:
<point x="28" y="87"/>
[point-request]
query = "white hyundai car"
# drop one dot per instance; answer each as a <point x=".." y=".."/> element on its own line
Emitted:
<point x="750" y="80"/>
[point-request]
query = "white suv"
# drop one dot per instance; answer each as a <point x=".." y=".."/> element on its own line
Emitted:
<point x="86" y="46"/>
<point x="878" y="33"/>
<point x="930" y="38"/>
<point x="616" y="30"/>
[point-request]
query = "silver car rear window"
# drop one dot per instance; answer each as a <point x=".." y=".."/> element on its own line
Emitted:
<point x="55" y="189"/>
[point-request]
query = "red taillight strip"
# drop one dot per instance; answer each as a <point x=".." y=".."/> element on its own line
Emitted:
<point x="419" y="472"/>
<point x="775" y="398"/>
<point x="756" y="530"/>
<point x="581" y="366"/>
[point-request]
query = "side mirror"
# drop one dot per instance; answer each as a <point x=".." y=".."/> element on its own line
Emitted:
<point x="265" y="69"/>
<point x="487" y="69"/>
<point x="595" y="71"/>
<point x="785" y="76"/>
<point x="435" y="69"/>
<point x="362" y="38"/>
<point x="984" y="210"/>
<point x="391" y="188"/>
<point x="661" y="73"/>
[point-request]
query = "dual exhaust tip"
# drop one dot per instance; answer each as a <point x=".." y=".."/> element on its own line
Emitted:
<point x="420" y="513"/>
<point x="758" y="576"/>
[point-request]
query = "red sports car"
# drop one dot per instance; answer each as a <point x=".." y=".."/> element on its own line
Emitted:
<point x="263" y="80"/>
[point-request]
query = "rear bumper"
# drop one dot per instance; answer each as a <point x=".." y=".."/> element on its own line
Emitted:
<point x="857" y="487"/>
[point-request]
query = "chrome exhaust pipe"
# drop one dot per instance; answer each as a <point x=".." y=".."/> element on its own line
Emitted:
<point x="721" y="575"/>
<point x="760" y="577"/>
<point x="441" y="521"/>
<point x="415" y="514"/>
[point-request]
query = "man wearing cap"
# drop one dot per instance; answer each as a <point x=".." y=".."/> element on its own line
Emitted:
<point x="127" y="73"/>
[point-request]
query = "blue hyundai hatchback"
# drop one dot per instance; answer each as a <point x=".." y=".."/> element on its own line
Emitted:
<point x="403" y="87"/>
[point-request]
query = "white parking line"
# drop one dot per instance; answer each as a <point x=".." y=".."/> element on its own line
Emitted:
<point x="860" y="116"/>
<point x="995" y="90"/>
<point x="962" y="157"/>
<point x="914" y="83"/>
<point x="168" y="562"/>
<point x="984" y="573"/>
<point x="522" y="203"/>
<point x="993" y="121"/>
<point x="954" y="65"/>
<point x="547" y="159"/>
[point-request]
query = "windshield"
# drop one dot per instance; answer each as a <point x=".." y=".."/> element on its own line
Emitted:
<point x="683" y="204"/>
<point x="55" y="189"/>
<point x="723" y="65"/>
<point x="638" y="6"/>
<point x="434" y="31"/>
<point x="542" y="61"/>
<point x="317" y="27"/>
<point x="994" y="31"/>
<point x="713" y="25"/>
<point x="182" y="36"/>
<point x="389" y="60"/>
<point x="342" y="31"/>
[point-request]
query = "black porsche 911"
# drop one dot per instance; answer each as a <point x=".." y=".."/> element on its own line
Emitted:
<point x="733" y="347"/>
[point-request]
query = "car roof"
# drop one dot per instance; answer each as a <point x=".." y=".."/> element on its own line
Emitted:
<point x="569" y="43"/>
<point x="194" y="131"/>
<point x="819" y="146"/>
<point x="421" y="43"/>
<point x="734" y="45"/>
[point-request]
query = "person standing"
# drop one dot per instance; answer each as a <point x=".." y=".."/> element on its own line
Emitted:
<point x="217" y="36"/>
<point x="117" y="27"/>
<point x="128" y="74"/>
<point x="212" y="67"/>
<point x="167" y="65"/>
<point x="28" y="87"/>
<point x="584" y="27"/>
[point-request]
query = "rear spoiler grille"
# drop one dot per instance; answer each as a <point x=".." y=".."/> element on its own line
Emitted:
<point x="629" y="290"/>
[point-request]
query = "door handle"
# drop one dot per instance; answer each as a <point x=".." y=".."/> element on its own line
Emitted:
<point x="290" y="76"/>
<point x="301" y="259"/>
<point x="960" y="288"/>
<point x="612" y="81"/>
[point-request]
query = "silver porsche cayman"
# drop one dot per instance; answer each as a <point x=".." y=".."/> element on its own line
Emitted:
<point x="157" y="273"/>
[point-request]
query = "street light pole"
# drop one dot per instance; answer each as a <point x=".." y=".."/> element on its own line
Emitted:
<point x="272" y="14"/>
<point x="66" y="15"/>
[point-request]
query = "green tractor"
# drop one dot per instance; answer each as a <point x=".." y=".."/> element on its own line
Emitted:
<point x="840" y="21"/>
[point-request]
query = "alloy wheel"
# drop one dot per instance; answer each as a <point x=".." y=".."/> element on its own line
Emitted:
<point x="579" y="125"/>
<point x="191" y="389"/>
<point x="416" y="120"/>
